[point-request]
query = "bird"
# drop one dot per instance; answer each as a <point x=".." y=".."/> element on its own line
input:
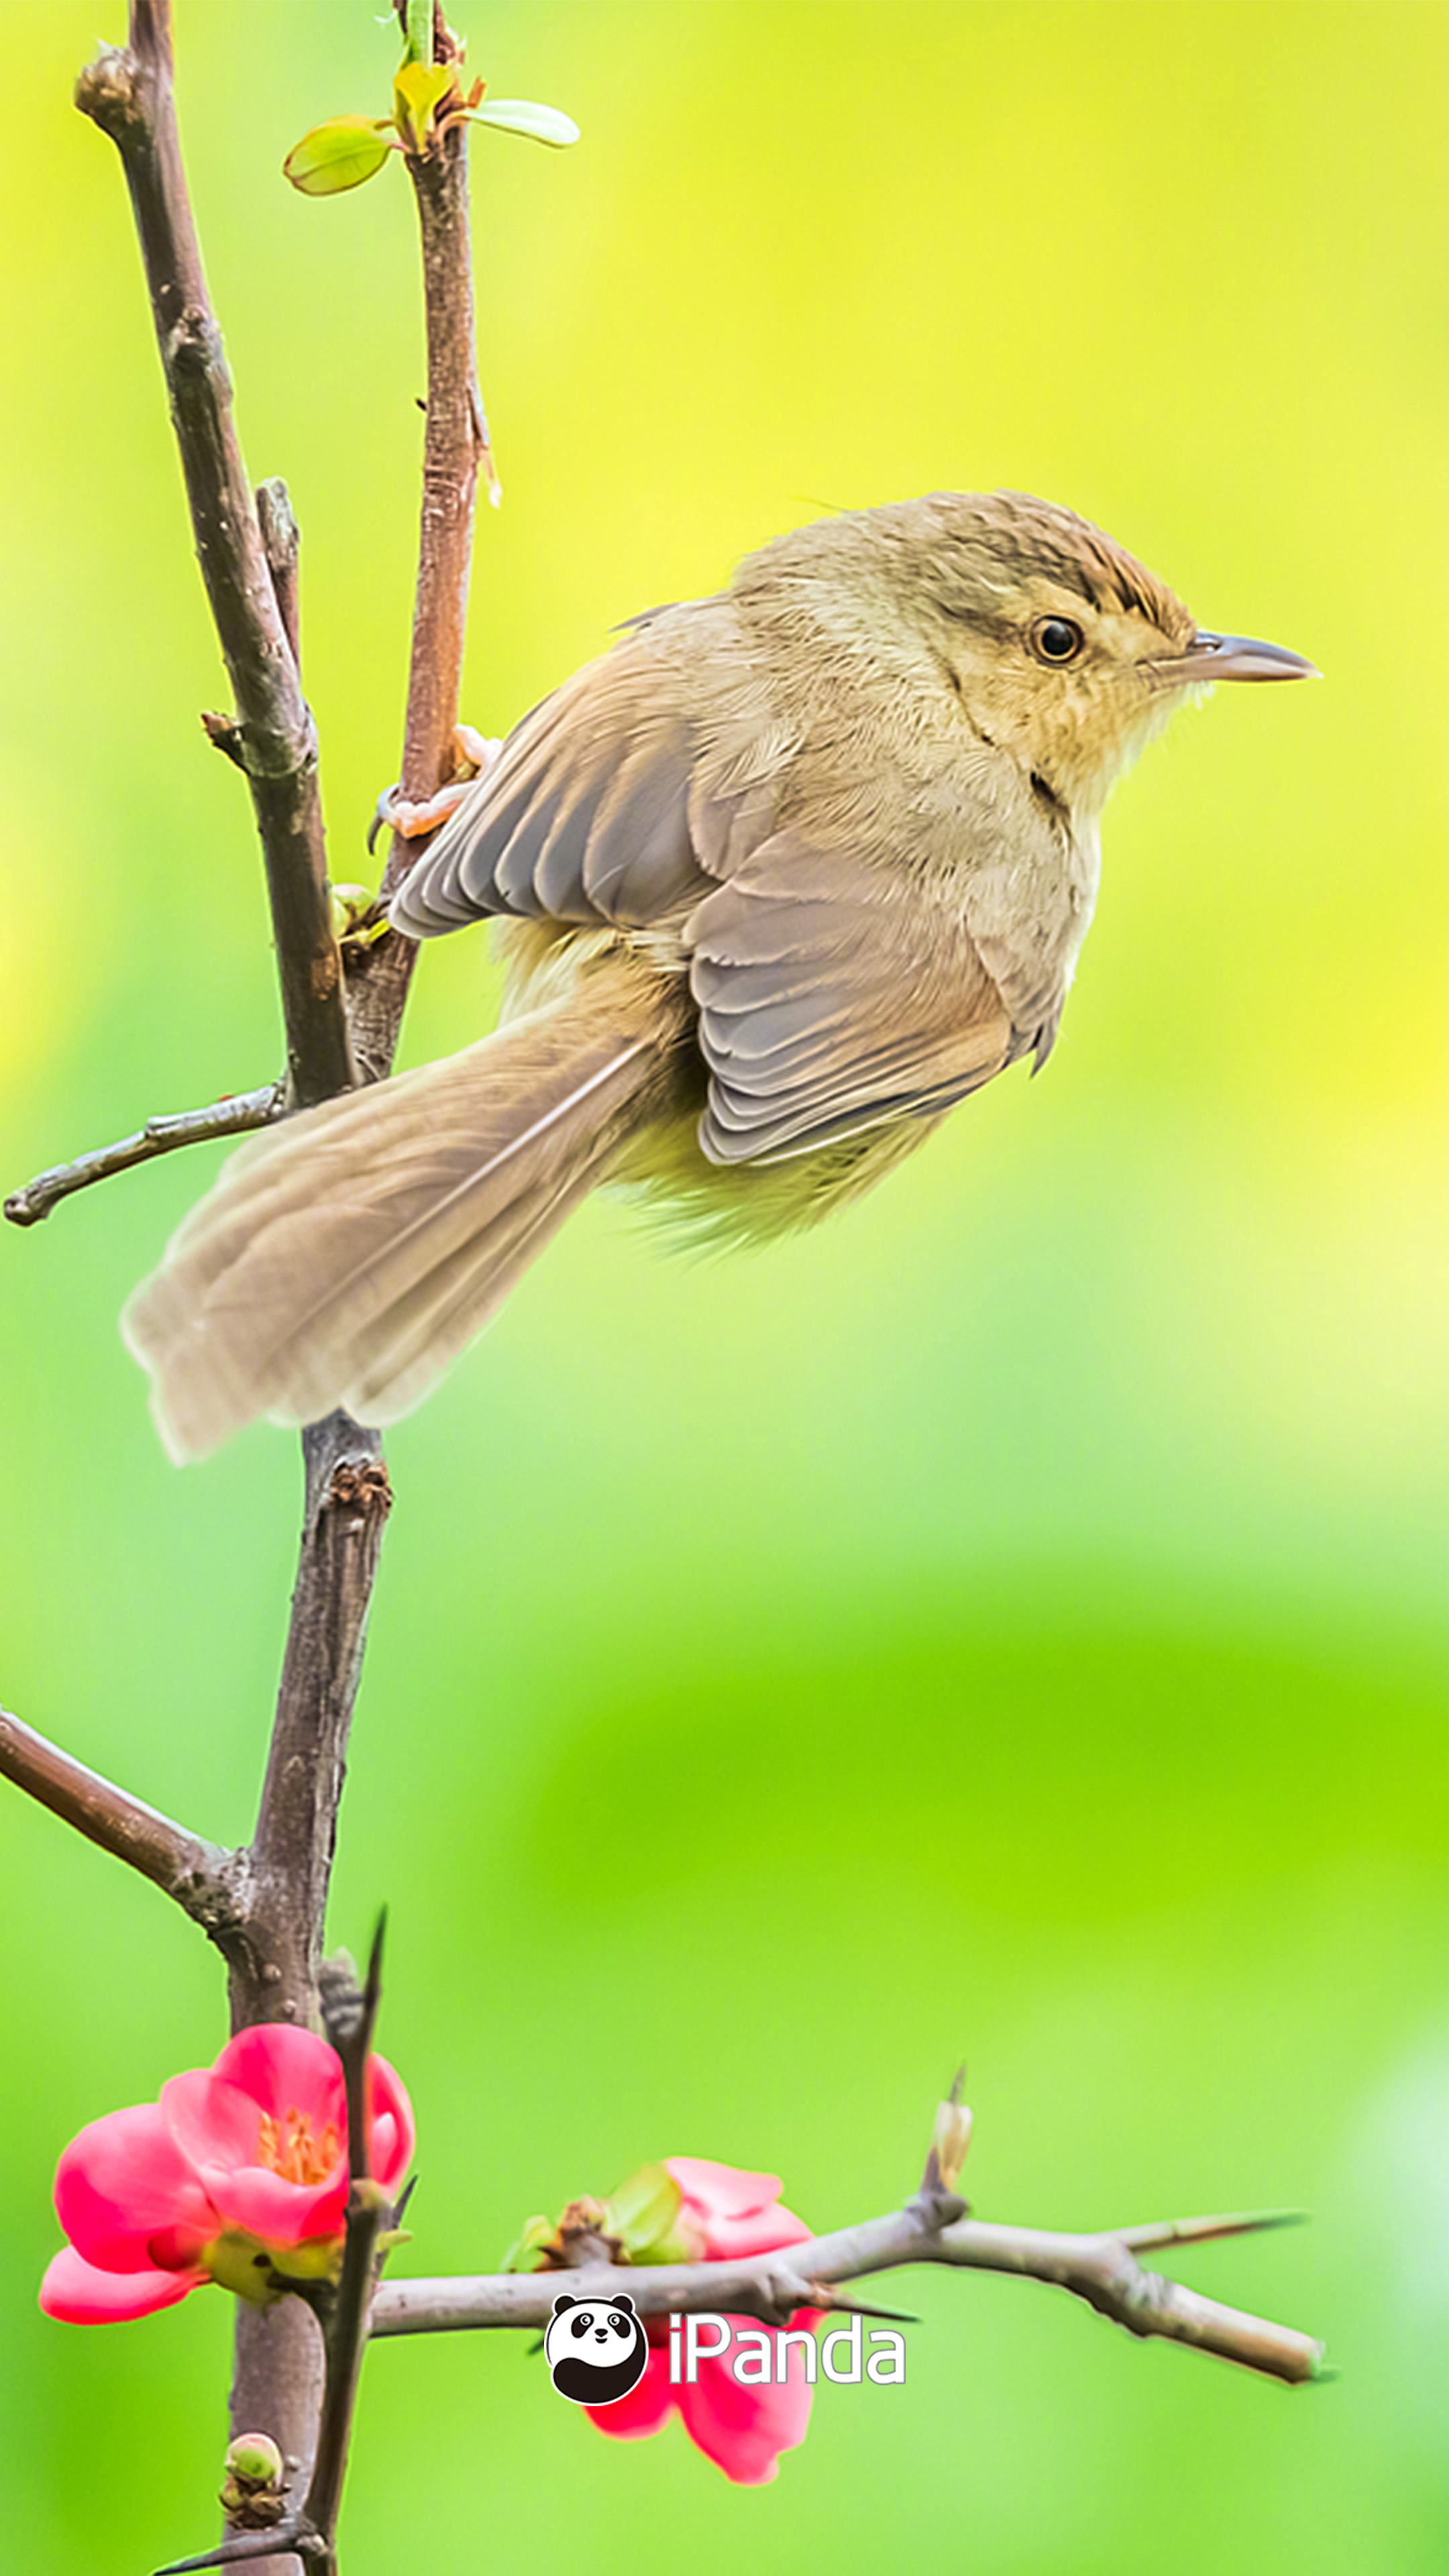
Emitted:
<point x="779" y="879"/>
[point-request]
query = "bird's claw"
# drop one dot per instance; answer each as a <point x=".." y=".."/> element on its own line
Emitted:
<point x="411" y="817"/>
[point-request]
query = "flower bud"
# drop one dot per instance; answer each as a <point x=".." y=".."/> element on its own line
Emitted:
<point x="255" y="2457"/>
<point x="252" y="2494"/>
<point x="950" y="2139"/>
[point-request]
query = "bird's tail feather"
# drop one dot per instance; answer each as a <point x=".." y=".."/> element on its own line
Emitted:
<point x="350" y="1255"/>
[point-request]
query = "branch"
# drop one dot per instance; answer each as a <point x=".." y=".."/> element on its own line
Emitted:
<point x="237" y="1115"/>
<point x="454" y="445"/>
<point x="1102" y="2269"/>
<point x="128" y="95"/>
<point x="200" y="1875"/>
<point x="289" y="1859"/>
<point x="279" y="2378"/>
<point x="351" y="2018"/>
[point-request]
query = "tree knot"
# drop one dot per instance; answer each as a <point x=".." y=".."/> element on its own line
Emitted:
<point x="192" y="347"/>
<point x="360" y="1485"/>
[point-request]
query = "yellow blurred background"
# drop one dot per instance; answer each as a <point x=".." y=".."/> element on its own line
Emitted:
<point x="1010" y="1622"/>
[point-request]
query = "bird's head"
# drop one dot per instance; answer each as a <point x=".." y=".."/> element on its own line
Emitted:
<point x="1058" y="647"/>
<point x="1061" y="645"/>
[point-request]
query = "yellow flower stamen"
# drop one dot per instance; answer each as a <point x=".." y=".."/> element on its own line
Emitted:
<point x="287" y="2147"/>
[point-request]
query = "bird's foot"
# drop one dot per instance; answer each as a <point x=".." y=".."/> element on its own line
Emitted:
<point x="473" y="753"/>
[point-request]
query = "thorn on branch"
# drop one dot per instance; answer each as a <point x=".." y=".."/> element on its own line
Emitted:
<point x="1200" y="2231"/>
<point x="823" y="2296"/>
<point x="299" y="2538"/>
<point x="349" y="2017"/>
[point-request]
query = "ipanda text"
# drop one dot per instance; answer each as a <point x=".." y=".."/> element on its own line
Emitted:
<point x="758" y="2355"/>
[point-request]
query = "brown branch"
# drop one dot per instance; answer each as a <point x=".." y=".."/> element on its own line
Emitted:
<point x="348" y="1498"/>
<point x="235" y="1116"/>
<point x="453" y="447"/>
<point x="128" y="94"/>
<point x="347" y="1488"/>
<point x="201" y="1876"/>
<point x="279" y="2380"/>
<point x="249" y="564"/>
<point x="279" y="2376"/>
<point x="1101" y="2269"/>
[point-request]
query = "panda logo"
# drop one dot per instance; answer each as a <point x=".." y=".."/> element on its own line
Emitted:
<point x="596" y="2349"/>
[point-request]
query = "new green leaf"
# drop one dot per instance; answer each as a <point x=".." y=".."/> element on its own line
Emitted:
<point x="337" y="155"/>
<point x="417" y="90"/>
<point x="525" y="116"/>
<point x="643" y="2210"/>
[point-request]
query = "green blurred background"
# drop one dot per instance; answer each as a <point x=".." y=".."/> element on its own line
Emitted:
<point x="1008" y="1623"/>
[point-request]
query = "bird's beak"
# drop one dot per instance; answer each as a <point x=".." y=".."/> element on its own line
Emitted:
<point x="1240" y="657"/>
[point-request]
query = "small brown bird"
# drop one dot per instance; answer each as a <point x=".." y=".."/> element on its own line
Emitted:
<point x="784" y="875"/>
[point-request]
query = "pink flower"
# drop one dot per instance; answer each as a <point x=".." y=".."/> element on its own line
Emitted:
<point x="235" y="2175"/>
<point x="729" y="2215"/>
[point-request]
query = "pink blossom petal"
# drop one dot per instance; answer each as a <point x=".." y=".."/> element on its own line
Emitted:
<point x="732" y="2240"/>
<point x="744" y="2429"/>
<point x="646" y="2408"/>
<point x="721" y="2191"/>
<point x="213" y="2122"/>
<point x="80" y="2294"/>
<point x="278" y="2212"/>
<point x="123" y="2180"/>
<point x="393" y="2132"/>
<point x="285" y="2069"/>
<point x="738" y="2213"/>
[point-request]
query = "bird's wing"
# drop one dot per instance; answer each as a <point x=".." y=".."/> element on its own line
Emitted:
<point x="836" y="992"/>
<point x="834" y="995"/>
<point x="609" y="802"/>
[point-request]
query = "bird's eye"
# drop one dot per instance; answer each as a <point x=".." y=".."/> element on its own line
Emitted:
<point x="1057" y="639"/>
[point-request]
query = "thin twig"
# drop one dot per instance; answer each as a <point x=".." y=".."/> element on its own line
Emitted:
<point x="452" y="453"/>
<point x="351" y="2019"/>
<point x="237" y="1115"/>
<point x="128" y="94"/>
<point x="1102" y="2269"/>
<point x="201" y="1876"/>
